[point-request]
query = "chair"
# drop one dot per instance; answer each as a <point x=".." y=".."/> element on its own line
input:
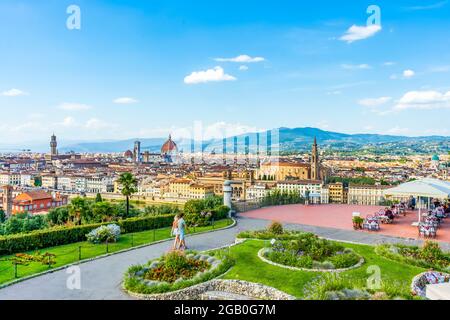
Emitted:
<point x="371" y="223"/>
<point x="427" y="231"/>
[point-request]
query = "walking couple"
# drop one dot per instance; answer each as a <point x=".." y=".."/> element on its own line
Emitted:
<point x="179" y="229"/>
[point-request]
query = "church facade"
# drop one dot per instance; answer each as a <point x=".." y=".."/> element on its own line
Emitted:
<point x="282" y="170"/>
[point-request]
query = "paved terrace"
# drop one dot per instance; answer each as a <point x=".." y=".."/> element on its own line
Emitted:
<point x="340" y="217"/>
<point x="101" y="279"/>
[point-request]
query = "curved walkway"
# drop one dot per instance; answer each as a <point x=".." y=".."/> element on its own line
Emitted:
<point x="101" y="279"/>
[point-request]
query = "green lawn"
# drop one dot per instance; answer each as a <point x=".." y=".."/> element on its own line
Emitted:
<point x="69" y="253"/>
<point x="250" y="268"/>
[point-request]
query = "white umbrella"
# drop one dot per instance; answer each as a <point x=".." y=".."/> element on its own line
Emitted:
<point x="428" y="188"/>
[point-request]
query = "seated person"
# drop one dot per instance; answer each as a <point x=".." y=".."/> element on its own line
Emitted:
<point x="388" y="213"/>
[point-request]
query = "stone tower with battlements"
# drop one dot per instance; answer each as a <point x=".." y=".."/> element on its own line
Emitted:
<point x="315" y="166"/>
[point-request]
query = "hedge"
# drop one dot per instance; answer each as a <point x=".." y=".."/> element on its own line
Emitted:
<point x="64" y="235"/>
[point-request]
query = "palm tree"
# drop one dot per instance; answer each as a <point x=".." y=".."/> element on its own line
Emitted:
<point x="129" y="186"/>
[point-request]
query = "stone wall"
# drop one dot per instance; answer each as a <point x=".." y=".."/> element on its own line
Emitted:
<point x="238" y="287"/>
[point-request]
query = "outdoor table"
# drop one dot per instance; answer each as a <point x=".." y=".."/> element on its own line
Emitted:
<point x="440" y="291"/>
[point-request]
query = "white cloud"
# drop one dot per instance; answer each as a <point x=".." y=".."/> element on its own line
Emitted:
<point x="243" y="58"/>
<point x="243" y="68"/>
<point x="217" y="130"/>
<point x="363" y="66"/>
<point x="220" y="130"/>
<point x="14" y="93"/>
<point x="210" y="75"/>
<point x="68" y="122"/>
<point x="408" y="73"/>
<point x="423" y="100"/>
<point x="125" y="100"/>
<point x="324" y="125"/>
<point x="334" y="93"/>
<point x="389" y="64"/>
<point x="70" y="106"/>
<point x="439" y="69"/>
<point x="355" y="33"/>
<point x="374" y="102"/>
<point x="96" y="124"/>
<point x="398" y="130"/>
<point x="436" y="5"/>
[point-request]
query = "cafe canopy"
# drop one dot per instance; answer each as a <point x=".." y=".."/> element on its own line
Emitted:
<point x="424" y="188"/>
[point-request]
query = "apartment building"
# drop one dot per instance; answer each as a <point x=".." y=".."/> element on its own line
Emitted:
<point x="337" y="193"/>
<point x="372" y="195"/>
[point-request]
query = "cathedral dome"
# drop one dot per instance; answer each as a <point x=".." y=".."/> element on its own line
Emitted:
<point x="169" y="146"/>
<point x="128" y="154"/>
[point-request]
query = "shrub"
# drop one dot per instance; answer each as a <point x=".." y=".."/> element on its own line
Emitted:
<point x="275" y="228"/>
<point x="175" y="260"/>
<point x="304" y="262"/>
<point x="429" y="256"/>
<point x="431" y="252"/>
<point x="221" y="212"/>
<point x="109" y="233"/>
<point x="161" y="209"/>
<point x="266" y="235"/>
<point x="309" y="251"/>
<point x="64" y="235"/>
<point x="24" y="222"/>
<point x="202" y="212"/>
<point x="322" y="287"/>
<point x="341" y="261"/>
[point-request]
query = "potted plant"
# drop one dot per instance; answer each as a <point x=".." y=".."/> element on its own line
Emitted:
<point x="358" y="223"/>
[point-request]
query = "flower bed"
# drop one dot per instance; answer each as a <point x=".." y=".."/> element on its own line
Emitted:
<point x="428" y="256"/>
<point x="268" y="235"/>
<point x="333" y="286"/>
<point x="174" y="271"/>
<point x="420" y="282"/>
<point x="309" y="252"/>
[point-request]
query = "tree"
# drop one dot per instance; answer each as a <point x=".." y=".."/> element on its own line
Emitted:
<point x="2" y="216"/>
<point x="129" y="186"/>
<point x="103" y="212"/>
<point x="194" y="206"/>
<point x="79" y="210"/>
<point x="98" y="198"/>
<point x="13" y="225"/>
<point x="37" y="181"/>
<point x="58" y="216"/>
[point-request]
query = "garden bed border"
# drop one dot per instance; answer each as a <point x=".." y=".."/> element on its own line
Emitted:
<point x="264" y="259"/>
<point x="228" y="286"/>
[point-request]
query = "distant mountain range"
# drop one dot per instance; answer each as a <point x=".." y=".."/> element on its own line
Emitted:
<point x="297" y="139"/>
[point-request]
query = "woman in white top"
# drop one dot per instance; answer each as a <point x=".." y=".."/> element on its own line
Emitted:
<point x="175" y="232"/>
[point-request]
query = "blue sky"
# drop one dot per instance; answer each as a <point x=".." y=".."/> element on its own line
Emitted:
<point x="147" y="68"/>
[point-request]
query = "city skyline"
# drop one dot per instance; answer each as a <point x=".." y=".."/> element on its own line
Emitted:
<point x="138" y="70"/>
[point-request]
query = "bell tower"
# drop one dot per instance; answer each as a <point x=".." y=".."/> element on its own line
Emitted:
<point x="315" y="170"/>
<point x="7" y="200"/>
<point x="53" y="145"/>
